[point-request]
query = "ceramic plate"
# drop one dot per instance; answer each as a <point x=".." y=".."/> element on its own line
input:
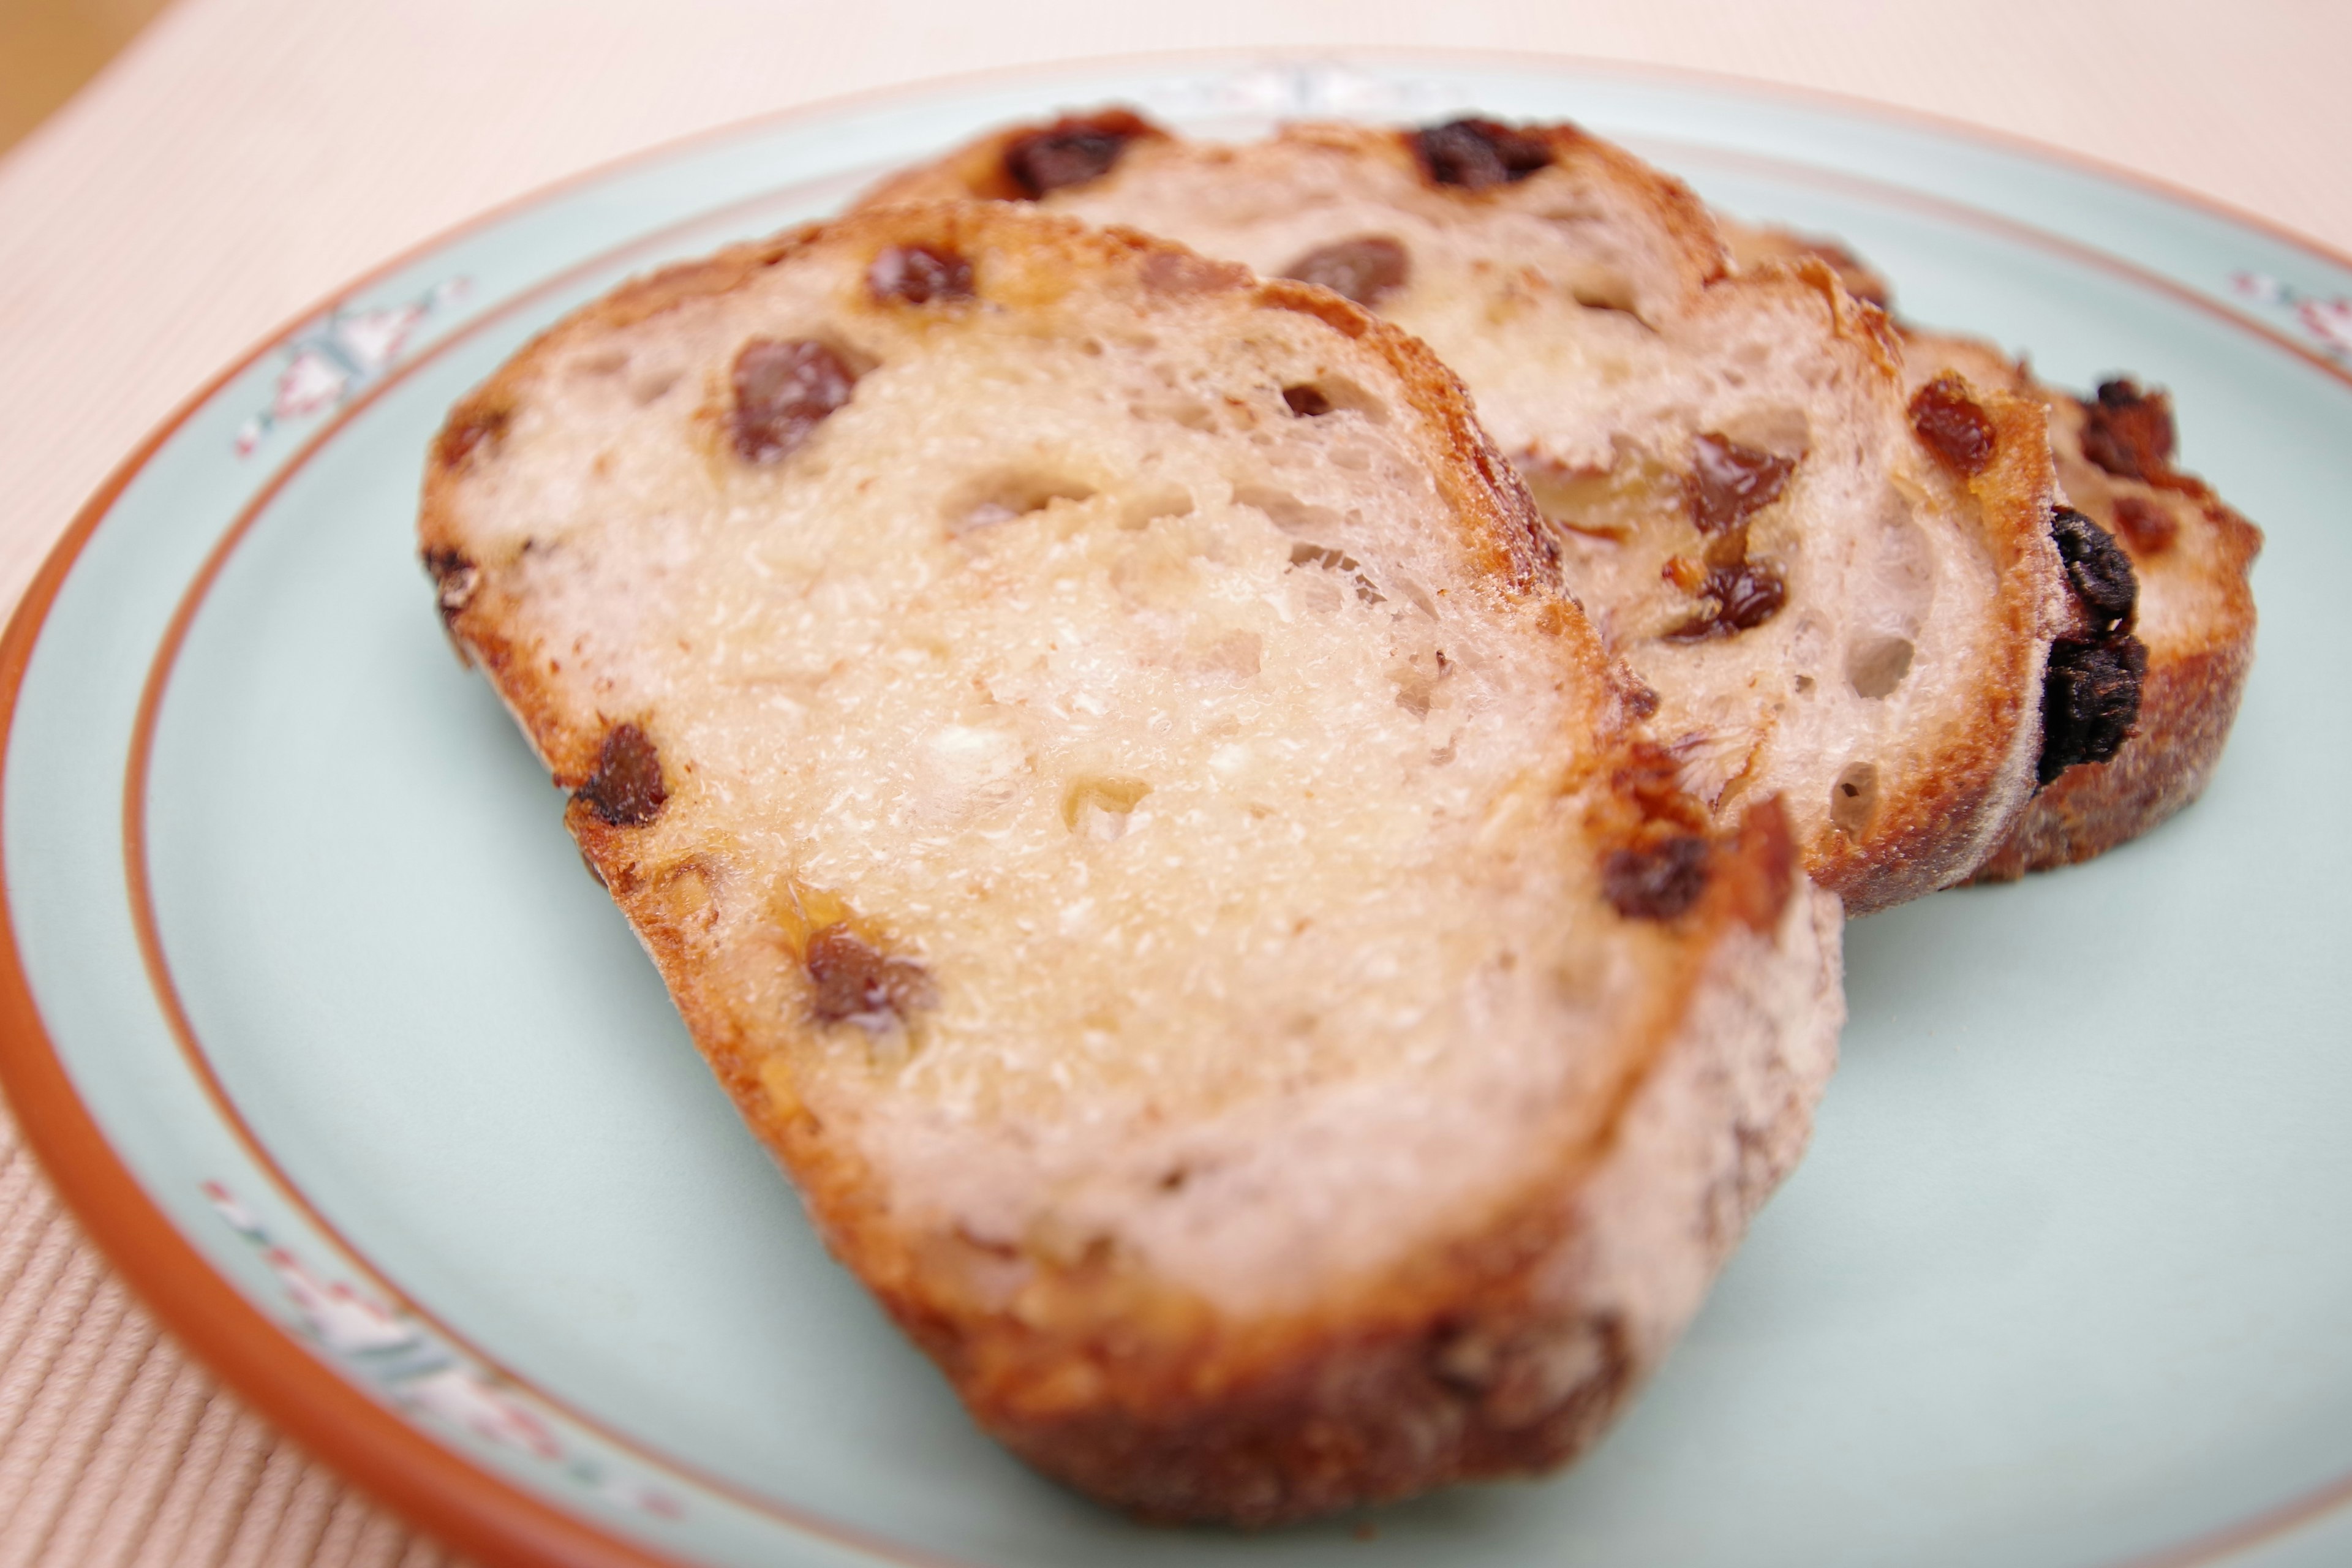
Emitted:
<point x="323" y="1031"/>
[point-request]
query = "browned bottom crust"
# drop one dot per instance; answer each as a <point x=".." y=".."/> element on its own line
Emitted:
<point x="2192" y="554"/>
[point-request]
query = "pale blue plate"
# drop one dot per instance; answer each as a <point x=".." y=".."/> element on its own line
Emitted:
<point x="365" y="1083"/>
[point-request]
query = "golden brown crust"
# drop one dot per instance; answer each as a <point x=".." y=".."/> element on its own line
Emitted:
<point x="1979" y="771"/>
<point x="1476" y="1360"/>
<point x="2193" y="556"/>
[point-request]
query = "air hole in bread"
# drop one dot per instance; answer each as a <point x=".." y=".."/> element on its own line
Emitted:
<point x="1780" y="428"/>
<point x="1875" y="666"/>
<point x="1285" y="511"/>
<point x="1416" y="688"/>
<point x="1332" y="394"/>
<point x="1141" y="510"/>
<point x="1605" y="291"/>
<point x="1854" y="799"/>
<point x="1101" y="809"/>
<point x="1332" y="560"/>
<point x="1192" y="415"/>
<point x="1007" y="494"/>
<point x="1233" y="655"/>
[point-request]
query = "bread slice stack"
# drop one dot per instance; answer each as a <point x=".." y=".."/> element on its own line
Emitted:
<point x="1838" y="579"/>
<point x="1098" y="748"/>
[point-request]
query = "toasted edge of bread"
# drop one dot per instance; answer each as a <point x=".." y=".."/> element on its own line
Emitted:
<point x="2193" y="556"/>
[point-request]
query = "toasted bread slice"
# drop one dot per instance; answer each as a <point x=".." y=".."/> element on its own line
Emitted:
<point x="1169" y="873"/>
<point x="1841" y="592"/>
<point x="2189" y="550"/>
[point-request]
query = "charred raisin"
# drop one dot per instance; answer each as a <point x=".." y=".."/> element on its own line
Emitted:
<point x="1728" y="482"/>
<point x="783" y="391"/>
<point x="918" y="275"/>
<point x="1746" y="596"/>
<point x="2090" y="701"/>
<point x="2146" y="526"/>
<point x="1362" y="269"/>
<point x="1658" y="881"/>
<point x="1951" y="425"/>
<point x="852" y="983"/>
<point x="1068" y="152"/>
<point x="626" y="789"/>
<point x="454" y="580"/>
<point x="2128" y="432"/>
<point x="1475" y="154"/>
<point x="2097" y="568"/>
<point x="469" y="429"/>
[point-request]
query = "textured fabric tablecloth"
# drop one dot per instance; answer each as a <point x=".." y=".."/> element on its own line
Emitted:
<point x="245" y="157"/>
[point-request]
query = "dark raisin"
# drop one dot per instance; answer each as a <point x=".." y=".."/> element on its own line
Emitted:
<point x="1746" y="596"/>
<point x="2090" y="701"/>
<point x="2097" y="568"/>
<point x="1728" y="482"/>
<point x="851" y="982"/>
<point x="783" y="392"/>
<point x="467" y="429"/>
<point x="1948" y="420"/>
<point x="2146" y="526"/>
<point x="1362" y="269"/>
<point x="2128" y="432"/>
<point x="627" y="788"/>
<point x="1641" y="699"/>
<point x="918" y="275"/>
<point x="1306" y="401"/>
<point x="1657" y="882"/>
<point x="1068" y="152"/>
<point x="1476" y="154"/>
<point x="454" y="580"/>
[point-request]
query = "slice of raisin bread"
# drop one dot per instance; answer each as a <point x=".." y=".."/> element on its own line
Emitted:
<point x="2190" y="552"/>
<point x="1099" y="752"/>
<point x="1840" y="590"/>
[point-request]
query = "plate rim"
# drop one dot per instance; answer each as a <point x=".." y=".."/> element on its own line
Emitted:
<point x="435" y="1487"/>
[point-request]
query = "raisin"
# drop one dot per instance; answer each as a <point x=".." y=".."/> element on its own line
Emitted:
<point x="1951" y="425"/>
<point x="2128" y="432"/>
<point x="783" y="391"/>
<point x="1728" y="482"/>
<point x="2147" y="527"/>
<point x="1072" y="151"/>
<point x="469" y="429"/>
<point x="1658" y="881"/>
<point x="1746" y="596"/>
<point x="1362" y="269"/>
<point x="454" y="580"/>
<point x="627" y="788"/>
<point x="851" y="982"/>
<point x="1306" y="401"/>
<point x="1475" y="154"/>
<point x="2090" y="701"/>
<point x="918" y="275"/>
<point x="2097" y="568"/>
